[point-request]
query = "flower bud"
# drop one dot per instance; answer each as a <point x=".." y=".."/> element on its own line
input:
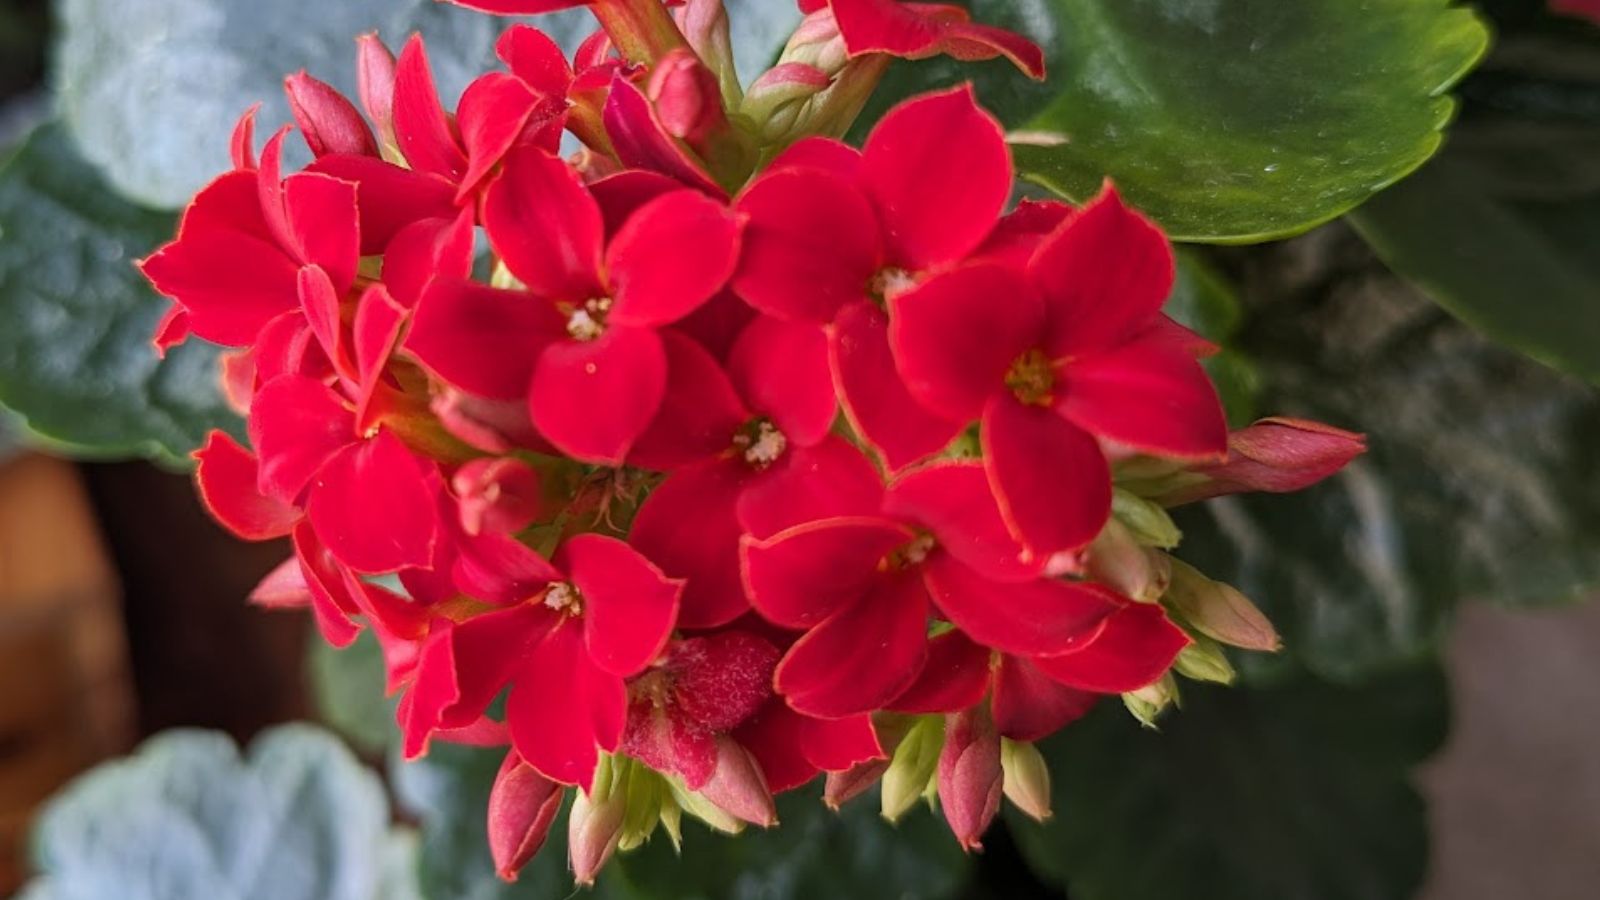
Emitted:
<point x="915" y="762"/>
<point x="522" y="806"/>
<point x="1273" y="455"/>
<point x="1027" y="778"/>
<point x="375" y="73"/>
<point x="818" y="44"/>
<point x="842" y="787"/>
<point x="594" y="826"/>
<point x="775" y="99"/>
<point x="704" y="24"/>
<point x="971" y="776"/>
<point x="647" y="793"/>
<point x="1149" y="702"/>
<point x="688" y="104"/>
<point x="1118" y="560"/>
<point x="1219" y="611"/>
<point x="737" y="786"/>
<point x="696" y="804"/>
<point x="1204" y="660"/>
<point x="329" y="122"/>
<point x="498" y="495"/>
<point x="1146" y="520"/>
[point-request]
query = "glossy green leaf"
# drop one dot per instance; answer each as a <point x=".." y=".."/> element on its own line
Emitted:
<point x="1298" y="792"/>
<point x="76" y="318"/>
<point x="296" y="818"/>
<point x="1481" y="482"/>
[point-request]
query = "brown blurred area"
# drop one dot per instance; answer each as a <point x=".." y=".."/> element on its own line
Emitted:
<point x="122" y="613"/>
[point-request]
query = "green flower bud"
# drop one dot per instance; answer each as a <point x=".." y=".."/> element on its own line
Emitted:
<point x="1027" y="778"/>
<point x="915" y="763"/>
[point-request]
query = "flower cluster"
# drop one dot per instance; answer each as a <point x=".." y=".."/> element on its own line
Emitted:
<point x="719" y="455"/>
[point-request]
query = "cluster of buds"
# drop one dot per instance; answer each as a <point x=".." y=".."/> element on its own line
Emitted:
<point x="719" y="456"/>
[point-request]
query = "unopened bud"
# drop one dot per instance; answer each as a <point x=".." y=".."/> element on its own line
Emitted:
<point x="1118" y="560"/>
<point x="1204" y="660"/>
<point x="375" y="74"/>
<point x="911" y="771"/>
<point x="328" y="122"/>
<point x="1273" y="455"/>
<point x="1149" y="702"/>
<point x="817" y="43"/>
<point x="595" y="824"/>
<point x="522" y="806"/>
<point x="697" y="805"/>
<point x="688" y="103"/>
<point x="704" y="24"/>
<point x="646" y="794"/>
<point x="970" y="774"/>
<point x="738" y="788"/>
<point x="1146" y="520"/>
<point x="775" y="100"/>
<point x="1027" y="778"/>
<point x="1219" y="611"/>
<point x="499" y="495"/>
<point x="842" y="787"/>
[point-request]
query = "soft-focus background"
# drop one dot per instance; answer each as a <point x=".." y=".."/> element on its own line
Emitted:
<point x="1432" y="597"/>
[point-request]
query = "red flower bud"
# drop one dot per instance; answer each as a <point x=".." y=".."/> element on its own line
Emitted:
<point x="971" y="777"/>
<point x="593" y="829"/>
<point x="497" y="494"/>
<point x="329" y="122"/>
<point x="687" y="98"/>
<point x="1276" y="456"/>
<point x="375" y="73"/>
<point x="522" y="806"/>
<point x="842" y="787"/>
<point x="737" y="787"/>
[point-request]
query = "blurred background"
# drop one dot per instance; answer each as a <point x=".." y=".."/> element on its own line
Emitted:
<point x="122" y="609"/>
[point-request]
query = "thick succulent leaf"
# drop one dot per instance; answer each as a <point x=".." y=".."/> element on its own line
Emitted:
<point x="1481" y="480"/>
<point x="294" y="818"/>
<point x="76" y="318"/>
<point x="1231" y="120"/>
<point x="1297" y="792"/>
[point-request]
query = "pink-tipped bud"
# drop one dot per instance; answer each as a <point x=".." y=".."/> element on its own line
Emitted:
<point x="737" y="786"/>
<point x="375" y="68"/>
<point x="522" y="806"/>
<point x="971" y="776"/>
<point x="329" y="122"/>
<point x="842" y="787"/>
<point x="776" y="98"/>
<point x="1273" y="455"/>
<point x="595" y="824"/>
<point x="704" y="24"/>
<point x="687" y="98"/>
<point x="1219" y="611"/>
<point x="497" y="495"/>
<point x="1118" y="560"/>
<point x="817" y="43"/>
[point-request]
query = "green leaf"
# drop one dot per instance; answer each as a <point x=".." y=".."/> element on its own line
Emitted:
<point x="1298" y="792"/>
<point x="852" y="855"/>
<point x="76" y="317"/>
<point x="297" y="818"/>
<point x="347" y="687"/>
<point x="1481" y="480"/>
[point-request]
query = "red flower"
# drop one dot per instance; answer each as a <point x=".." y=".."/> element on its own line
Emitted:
<point x="571" y="633"/>
<point x="922" y="30"/>
<point x="1276" y="455"/>
<point x="939" y="545"/>
<point x="580" y="342"/>
<point x="832" y="232"/>
<point x="1072" y="348"/>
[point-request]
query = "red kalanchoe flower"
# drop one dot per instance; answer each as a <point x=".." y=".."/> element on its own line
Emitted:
<point x="833" y="232"/>
<point x="570" y="631"/>
<point x="793" y="748"/>
<point x="580" y="342"/>
<point x="922" y="30"/>
<point x="1072" y="348"/>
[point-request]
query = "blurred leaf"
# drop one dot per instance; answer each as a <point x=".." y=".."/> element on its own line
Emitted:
<point x="1203" y="300"/>
<point x="852" y="855"/>
<point x="1482" y="480"/>
<point x="1228" y="120"/>
<point x="76" y="317"/>
<point x="188" y="818"/>
<point x="347" y="687"/>
<point x="1297" y="792"/>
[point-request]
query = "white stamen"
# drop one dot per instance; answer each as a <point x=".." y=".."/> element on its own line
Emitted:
<point x="768" y="445"/>
<point x="562" y="597"/>
<point x="917" y="551"/>
<point x="891" y="282"/>
<point x="583" y="326"/>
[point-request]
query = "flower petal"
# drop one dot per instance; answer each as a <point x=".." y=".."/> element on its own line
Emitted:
<point x="938" y="199"/>
<point x="328" y="121"/>
<point x="563" y="709"/>
<point x="624" y="193"/>
<point x="1040" y="616"/>
<point x="832" y="672"/>
<point x="629" y="605"/>
<point x="545" y="226"/>
<point x="642" y="142"/>
<point x="1049" y="476"/>
<point x="811" y="245"/>
<point x="956" y="336"/>
<point x="1136" y="646"/>
<point x="231" y="284"/>
<point x="801" y="576"/>
<point x="426" y="136"/>
<point x="388" y="197"/>
<point x="954" y="501"/>
<point x="296" y="425"/>
<point x="424" y="250"/>
<point x="1030" y="706"/>
<point x="699" y="415"/>
<point x="687" y="526"/>
<point x="226" y="476"/>
<point x="498" y="568"/>
<point x="593" y="399"/>
<point x="492" y="113"/>
<point x="955" y="678"/>
<point x="483" y="340"/>
<point x="374" y="507"/>
<point x="670" y="257"/>
<point x="875" y="399"/>
<point x="327" y="228"/>
<point x="331" y="604"/>
<point x="781" y="369"/>
<point x="921" y="30"/>
<point x="1149" y="394"/>
<point x="829" y="480"/>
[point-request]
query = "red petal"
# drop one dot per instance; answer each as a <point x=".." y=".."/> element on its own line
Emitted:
<point x="331" y="604"/>
<point x="296" y="425"/>
<point x="269" y="194"/>
<point x="834" y="745"/>
<point x="955" y="678"/>
<point x="545" y="226"/>
<point x="328" y="121"/>
<point x="562" y="707"/>
<point x="773" y="735"/>
<point x="229" y="283"/>
<point x="375" y="83"/>
<point x="532" y="56"/>
<point x="629" y="606"/>
<point x="874" y="397"/>
<point x="832" y="479"/>
<point x="938" y="199"/>
<point x="593" y="399"/>
<point x="519" y="7"/>
<point x="1148" y="394"/>
<point x="1030" y="706"/>
<point x="320" y="302"/>
<point x="673" y="255"/>
<point x="954" y="501"/>
<point x="832" y="672"/>
<point x="622" y="194"/>
<point x="687" y="527"/>
<point x="226" y="476"/>
<point x="642" y="142"/>
<point x="1034" y="617"/>
<point x="426" y="136"/>
<point x="921" y="30"/>
<point x="480" y="339"/>
<point x="497" y="494"/>
<point x="173" y="329"/>
<point x="1137" y="645"/>
<point x="491" y="116"/>
<point x="376" y="332"/>
<point x="283" y="588"/>
<point x="1020" y="232"/>
<point x="1104" y="275"/>
<point x="781" y="369"/>
<point x="699" y="414"/>
<point x="374" y="507"/>
<point x="820" y="153"/>
<point x="718" y="323"/>
<point x="389" y="198"/>
<point x="498" y="568"/>
<point x="1049" y="476"/>
<point x="242" y="144"/>
<point x="802" y="576"/>
<point x="811" y="245"/>
<point x="957" y="335"/>
<point x="424" y="250"/>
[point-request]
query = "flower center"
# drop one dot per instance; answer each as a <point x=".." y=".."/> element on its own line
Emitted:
<point x="891" y="281"/>
<point x="587" y="321"/>
<point x="912" y="553"/>
<point x="563" y="598"/>
<point x="761" y="442"/>
<point x="1032" y="378"/>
